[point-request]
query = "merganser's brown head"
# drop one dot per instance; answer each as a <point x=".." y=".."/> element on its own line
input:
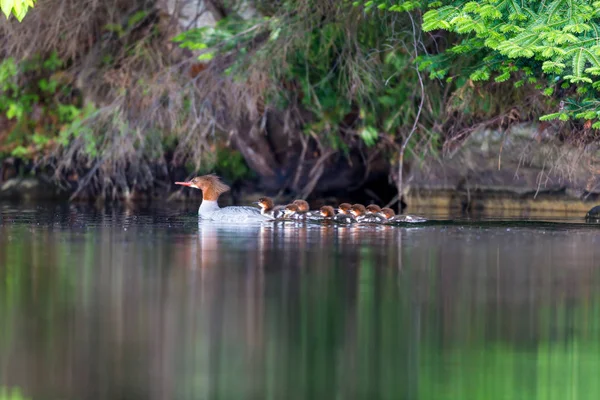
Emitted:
<point x="357" y="210"/>
<point x="211" y="186"/>
<point x="344" y="208"/>
<point x="373" y="209"/>
<point x="265" y="203"/>
<point x="387" y="213"/>
<point x="302" y="205"/>
<point x="327" y="212"/>
<point x="290" y="210"/>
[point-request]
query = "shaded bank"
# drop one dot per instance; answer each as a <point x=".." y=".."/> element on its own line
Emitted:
<point x="296" y="98"/>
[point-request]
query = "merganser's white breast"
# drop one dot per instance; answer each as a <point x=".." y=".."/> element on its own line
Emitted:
<point x="210" y="210"/>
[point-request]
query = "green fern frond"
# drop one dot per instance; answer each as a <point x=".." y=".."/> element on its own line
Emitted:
<point x="550" y="117"/>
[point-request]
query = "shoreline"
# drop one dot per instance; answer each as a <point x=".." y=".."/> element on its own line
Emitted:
<point x="417" y="200"/>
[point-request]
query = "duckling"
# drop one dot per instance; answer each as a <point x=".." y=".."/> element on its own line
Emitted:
<point x="343" y="215"/>
<point x="302" y="205"/>
<point x="373" y="209"/>
<point x="387" y="213"/>
<point x="344" y="209"/>
<point x="327" y="213"/>
<point x="304" y="210"/>
<point x="360" y="213"/>
<point x="268" y="208"/>
<point x="391" y="217"/>
<point x="290" y="211"/>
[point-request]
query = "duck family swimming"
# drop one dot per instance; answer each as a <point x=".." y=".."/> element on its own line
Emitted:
<point x="212" y="187"/>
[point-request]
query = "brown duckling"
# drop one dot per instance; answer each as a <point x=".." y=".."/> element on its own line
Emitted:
<point x="327" y="212"/>
<point x="304" y="210"/>
<point x="360" y="213"/>
<point x="373" y="209"/>
<point x="268" y="208"/>
<point x="290" y="211"/>
<point x="344" y="209"/>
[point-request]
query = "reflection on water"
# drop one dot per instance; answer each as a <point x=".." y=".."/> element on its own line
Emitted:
<point x="152" y="305"/>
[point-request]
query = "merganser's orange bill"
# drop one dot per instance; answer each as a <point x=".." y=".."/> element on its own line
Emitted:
<point x="184" y="183"/>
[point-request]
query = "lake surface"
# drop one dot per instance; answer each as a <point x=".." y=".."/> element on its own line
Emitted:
<point x="150" y="304"/>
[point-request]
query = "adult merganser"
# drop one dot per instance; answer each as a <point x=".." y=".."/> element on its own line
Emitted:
<point x="391" y="217"/>
<point x="212" y="187"/>
<point x="360" y="213"/>
<point x="344" y="209"/>
<point x="269" y="209"/>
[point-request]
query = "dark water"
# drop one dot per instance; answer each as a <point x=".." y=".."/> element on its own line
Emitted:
<point x="147" y="304"/>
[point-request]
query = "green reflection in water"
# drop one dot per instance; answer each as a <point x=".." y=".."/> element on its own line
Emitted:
<point x="384" y="320"/>
<point x="11" y="394"/>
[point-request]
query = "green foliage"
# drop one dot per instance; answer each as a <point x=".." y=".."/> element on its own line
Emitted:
<point x="550" y="43"/>
<point x="11" y="394"/>
<point x="39" y="103"/>
<point x="227" y="35"/>
<point x="230" y="164"/>
<point x="18" y="8"/>
<point x="340" y="80"/>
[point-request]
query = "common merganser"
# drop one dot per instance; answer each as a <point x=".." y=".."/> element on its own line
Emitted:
<point x="302" y="205"/>
<point x="373" y="209"/>
<point x="344" y="209"/>
<point x="290" y="211"/>
<point x="269" y="209"/>
<point x="327" y="213"/>
<point x="304" y="210"/>
<point x="391" y="217"/>
<point x="387" y="213"/>
<point x="212" y="187"/>
<point x="360" y="213"/>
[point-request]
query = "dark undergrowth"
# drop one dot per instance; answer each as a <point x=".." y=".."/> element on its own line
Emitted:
<point x="114" y="98"/>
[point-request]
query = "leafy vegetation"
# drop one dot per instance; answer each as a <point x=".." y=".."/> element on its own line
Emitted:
<point x="40" y="105"/>
<point x="17" y="7"/>
<point x="553" y="45"/>
<point x="373" y="80"/>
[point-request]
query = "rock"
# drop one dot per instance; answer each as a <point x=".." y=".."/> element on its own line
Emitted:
<point x="512" y="169"/>
<point x="31" y="189"/>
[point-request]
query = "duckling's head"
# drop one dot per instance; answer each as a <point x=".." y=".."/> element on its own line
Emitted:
<point x="387" y="213"/>
<point x="265" y="203"/>
<point x="344" y="208"/>
<point x="357" y="210"/>
<point x="373" y="209"/>
<point x="302" y="205"/>
<point x="290" y="210"/>
<point x="327" y="212"/>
